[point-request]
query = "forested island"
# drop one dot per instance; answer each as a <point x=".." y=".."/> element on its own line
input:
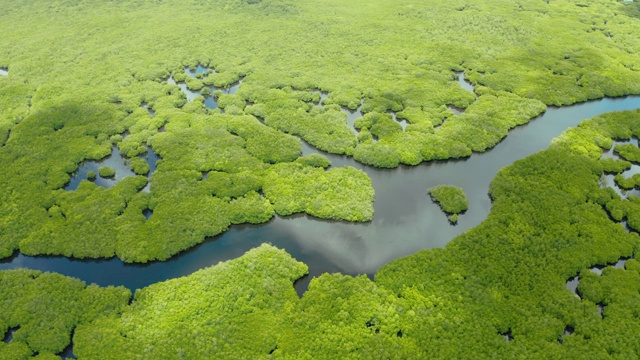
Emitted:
<point x="451" y="199"/>
<point x="138" y="129"/>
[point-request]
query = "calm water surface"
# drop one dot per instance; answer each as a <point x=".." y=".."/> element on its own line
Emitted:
<point x="405" y="220"/>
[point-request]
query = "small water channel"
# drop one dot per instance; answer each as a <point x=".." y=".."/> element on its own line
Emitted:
<point x="151" y="112"/>
<point x="464" y="83"/>
<point x="405" y="220"/>
<point x="209" y="100"/>
<point x="352" y="115"/>
<point x="608" y="180"/>
<point x="114" y="161"/>
<point x="4" y="71"/>
<point x="573" y="283"/>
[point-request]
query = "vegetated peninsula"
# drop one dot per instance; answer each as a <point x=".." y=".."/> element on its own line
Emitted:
<point x="125" y="81"/>
<point x="497" y="291"/>
<point x="296" y="65"/>
<point x="451" y="199"/>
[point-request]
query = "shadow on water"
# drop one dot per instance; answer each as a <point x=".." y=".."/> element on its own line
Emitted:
<point x="67" y="353"/>
<point x="405" y="220"/>
<point x="9" y="335"/>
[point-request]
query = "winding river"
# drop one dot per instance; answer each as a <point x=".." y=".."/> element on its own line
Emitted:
<point x="405" y="220"/>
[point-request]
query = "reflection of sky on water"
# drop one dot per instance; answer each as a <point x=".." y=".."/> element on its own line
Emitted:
<point x="464" y="83"/>
<point x="405" y="219"/>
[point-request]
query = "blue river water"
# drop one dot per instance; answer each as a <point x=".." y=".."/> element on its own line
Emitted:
<point x="405" y="219"/>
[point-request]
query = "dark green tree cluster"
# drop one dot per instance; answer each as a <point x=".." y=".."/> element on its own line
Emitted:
<point x="451" y="199"/>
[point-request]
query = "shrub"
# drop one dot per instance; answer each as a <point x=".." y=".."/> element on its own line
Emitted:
<point x="107" y="172"/>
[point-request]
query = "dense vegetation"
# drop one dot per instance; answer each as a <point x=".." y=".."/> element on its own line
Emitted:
<point x="65" y="102"/>
<point x="497" y="291"/>
<point x="452" y="200"/>
<point x="45" y="308"/>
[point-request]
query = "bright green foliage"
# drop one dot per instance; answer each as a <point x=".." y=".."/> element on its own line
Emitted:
<point x="341" y="193"/>
<point x="184" y="213"/>
<point x="139" y="166"/>
<point x="452" y="200"/>
<point x="617" y="290"/>
<point x="264" y="143"/>
<point x="488" y="120"/>
<point x="91" y="175"/>
<point x="325" y="128"/>
<point x="341" y="317"/>
<point x="410" y="148"/>
<point x="95" y="222"/>
<point x="614" y="165"/>
<point x="506" y="276"/>
<point x="378" y="155"/>
<point x="81" y="223"/>
<point x="626" y="183"/>
<point x="64" y="102"/>
<point x="509" y="273"/>
<point x="233" y="310"/>
<point x="380" y="125"/>
<point x="15" y="99"/>
<point x="559" y="53"/>
<point x="107" y="172"/>
<point x="629" y="152"/>
<point x="315" y="160"/>
<point x="550" y="221"/>
<point x="47" y="307"/>
<point x="628" y="210"/>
